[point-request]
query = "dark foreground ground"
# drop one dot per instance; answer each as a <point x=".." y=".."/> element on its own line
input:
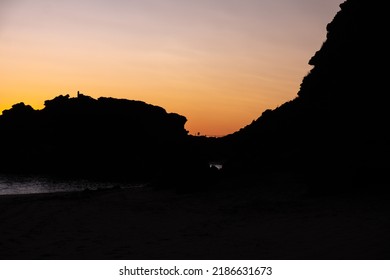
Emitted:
<point x="220" y="224"/>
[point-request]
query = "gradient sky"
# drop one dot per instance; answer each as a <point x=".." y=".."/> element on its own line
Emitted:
<point x="220" y="63"/>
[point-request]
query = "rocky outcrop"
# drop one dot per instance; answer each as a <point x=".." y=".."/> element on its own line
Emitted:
<point x="338" y="122"/>
<point x="99" y="138"/>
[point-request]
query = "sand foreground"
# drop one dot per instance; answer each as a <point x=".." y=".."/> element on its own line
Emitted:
<point x="219" y="224"/>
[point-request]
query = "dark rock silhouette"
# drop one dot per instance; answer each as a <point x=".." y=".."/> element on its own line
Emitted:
<point x="335" y="130"/>
<point x="104" y="138"/>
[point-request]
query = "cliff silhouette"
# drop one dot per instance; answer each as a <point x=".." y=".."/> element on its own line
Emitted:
<point x="336" y="128"/>
<point x="103" y="138"/>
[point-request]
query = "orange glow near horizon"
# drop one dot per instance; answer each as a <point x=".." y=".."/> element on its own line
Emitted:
<point x="220" y="63"/>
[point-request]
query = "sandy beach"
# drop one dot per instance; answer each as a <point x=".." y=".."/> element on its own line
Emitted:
<point x="217" y="224"/>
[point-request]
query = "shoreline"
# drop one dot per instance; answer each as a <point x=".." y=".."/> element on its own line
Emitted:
<point x="13" y="184"/>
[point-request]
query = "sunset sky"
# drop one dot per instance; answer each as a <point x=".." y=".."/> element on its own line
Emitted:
<point x="220" y="63"/>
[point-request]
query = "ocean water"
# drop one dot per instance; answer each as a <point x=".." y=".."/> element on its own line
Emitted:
<point x="218" y="165"/>
<point x="11" y="185"/>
